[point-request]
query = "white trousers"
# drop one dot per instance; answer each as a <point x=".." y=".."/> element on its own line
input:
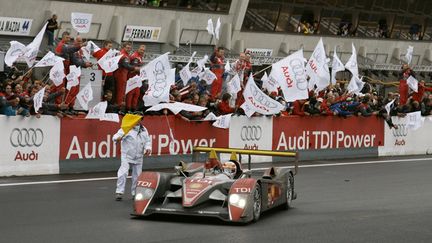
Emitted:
<point x="122" y="175"/>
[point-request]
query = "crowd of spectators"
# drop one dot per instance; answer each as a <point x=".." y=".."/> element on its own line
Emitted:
<point x="18" y="89"/>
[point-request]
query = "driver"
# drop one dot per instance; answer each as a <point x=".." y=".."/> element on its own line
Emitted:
<point x="229" y="168"/>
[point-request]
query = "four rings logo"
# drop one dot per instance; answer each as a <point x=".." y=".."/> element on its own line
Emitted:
<point x="401" y="131"/>
<point x="26" y="137"/>
<point x="80" y="21"/>
<point x="251" y="133"/>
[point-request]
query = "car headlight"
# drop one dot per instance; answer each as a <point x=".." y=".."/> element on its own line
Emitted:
<point x="238" y="200"/>
<point x="144" y="194"/>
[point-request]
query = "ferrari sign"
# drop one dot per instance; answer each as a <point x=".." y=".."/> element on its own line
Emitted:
<point x="141" y="33"/>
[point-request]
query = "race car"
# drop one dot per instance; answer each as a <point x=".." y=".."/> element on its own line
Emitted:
<point x="216" y="189"/>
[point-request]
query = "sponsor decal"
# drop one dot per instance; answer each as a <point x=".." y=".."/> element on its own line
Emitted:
<point x="15" y="26"/>
<point x="400" y="132"/>
<point x="141" y="33"/>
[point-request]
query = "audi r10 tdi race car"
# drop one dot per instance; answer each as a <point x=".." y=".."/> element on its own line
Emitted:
<point x="216" y="189"/>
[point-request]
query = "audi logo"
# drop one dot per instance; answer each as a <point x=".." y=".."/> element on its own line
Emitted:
<point x="251" y="133"/>
<point x="26" y="137"/>
<point x="297" y="68"/>
<point x="401" y="131"/>
<point x="80" y="21"/>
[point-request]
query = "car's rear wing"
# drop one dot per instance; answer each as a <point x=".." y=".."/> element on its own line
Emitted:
<point x="234" y="152"/>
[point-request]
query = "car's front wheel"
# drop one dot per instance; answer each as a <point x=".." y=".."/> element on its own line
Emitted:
<point x="257" y="202"/>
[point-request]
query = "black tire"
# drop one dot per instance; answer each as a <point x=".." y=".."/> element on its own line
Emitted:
<point x="257" y="203"/>
<point x="289" y="191"/>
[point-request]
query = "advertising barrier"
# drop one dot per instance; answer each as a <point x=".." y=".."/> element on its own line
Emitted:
<point x="29" y="146"/>
<point x="317" y="132"/>
<point x="251" y="133"/>
<point x="91" y="139"/>
<point x="407" y="141"/>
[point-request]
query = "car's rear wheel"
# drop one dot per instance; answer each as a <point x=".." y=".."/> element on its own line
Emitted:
<point x="257" y="203"/>
<point x="289" y="191"/>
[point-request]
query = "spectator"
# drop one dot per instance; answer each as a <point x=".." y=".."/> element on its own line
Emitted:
<point x="217" y="61"/>
<point x="299" y="108"/>
<point x="121" y="74"/>
<point x="223" y="106"/>
<point x="51" y="27"/>
<point x="136" y="60"/>
<point x="426" y="107"/>
<point x="109" y="81"/>
<point x="418" y="96"/>
<point x="13" y="108"/>
<point x="403" y="86"/>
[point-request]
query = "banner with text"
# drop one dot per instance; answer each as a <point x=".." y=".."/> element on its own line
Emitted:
<point x="317" y="132"/>
<point x="30" y="145"/>
<point x="15" y="26"/>
<point x="141" y="33"/>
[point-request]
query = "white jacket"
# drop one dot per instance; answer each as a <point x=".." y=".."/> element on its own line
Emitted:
<point x="133" y="144"/>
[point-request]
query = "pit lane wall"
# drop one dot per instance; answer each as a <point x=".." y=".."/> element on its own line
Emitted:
<point x="31" y="146"/>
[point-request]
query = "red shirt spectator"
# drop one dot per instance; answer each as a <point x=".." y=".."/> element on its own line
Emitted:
<point x="421" y="90"/>
<point x="224" y="107"/>
<point x="298" y="108"/>
<point x="100" y="53"/>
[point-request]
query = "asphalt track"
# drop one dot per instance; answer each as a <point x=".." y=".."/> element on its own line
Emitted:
<point x="368" y="202"/>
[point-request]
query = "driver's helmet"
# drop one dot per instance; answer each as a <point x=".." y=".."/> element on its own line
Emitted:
<point x="212" y="166"/>
<point x="229" y="168"/>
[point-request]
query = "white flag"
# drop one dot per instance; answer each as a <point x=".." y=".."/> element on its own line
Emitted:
<point x="257" y="101"/>
<point x="227" y="67"/>
<point x="57" y="73"/>
<point x="112" y="117"/>
<point x="223" y="121"/>
<point x="317" y="68"/>
<point x="337" y="66"/>
<point x="201" y="63"/>
<point x="160" y="78"/>
<point x="351" y="65"/>
<point x="81" y="22"/>
<point x="209" y="27"/>
<point x="210" y="117"/>
<point x="38" y="99"/>
<point x="355" y="85"/>
<point x="185" y="74"/>
<point x="217" y="29"/>
<point x="388" y="106"/>
<point x="85" y="96"/>
<point x="269" y="83"/>
<point x="290" y="74"/>
<point x="208" y="76"/>
<point x="15" y="51"/>
<point x="412" y="83"/>
<point x="50" y="59"/>
<point x="87" y="50"/>
<point x="233" y="85"/>
<point x="109" y="65"/>
<point x="409" y="54"/>
<point x="98" y="111"/>
<point x="32" y="49"/>
<point x="132" y="83"/>
<point x="143" y="74"/>
<point x="176" y="107"/>
<point x="73" y="76"/>
<point x="196" y="71"/>
<point x="415" y="120"/>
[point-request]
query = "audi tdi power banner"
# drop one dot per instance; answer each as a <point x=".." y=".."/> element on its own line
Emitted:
<point x="406" y="140"/>
<point x="318" y="132"/>
<point x="92" y="139"/>
<point x="15" y="26"/>
<point x="29" y="146"/>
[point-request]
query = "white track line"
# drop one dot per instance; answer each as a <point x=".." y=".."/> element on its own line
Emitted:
<point x="256" y="169"/>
